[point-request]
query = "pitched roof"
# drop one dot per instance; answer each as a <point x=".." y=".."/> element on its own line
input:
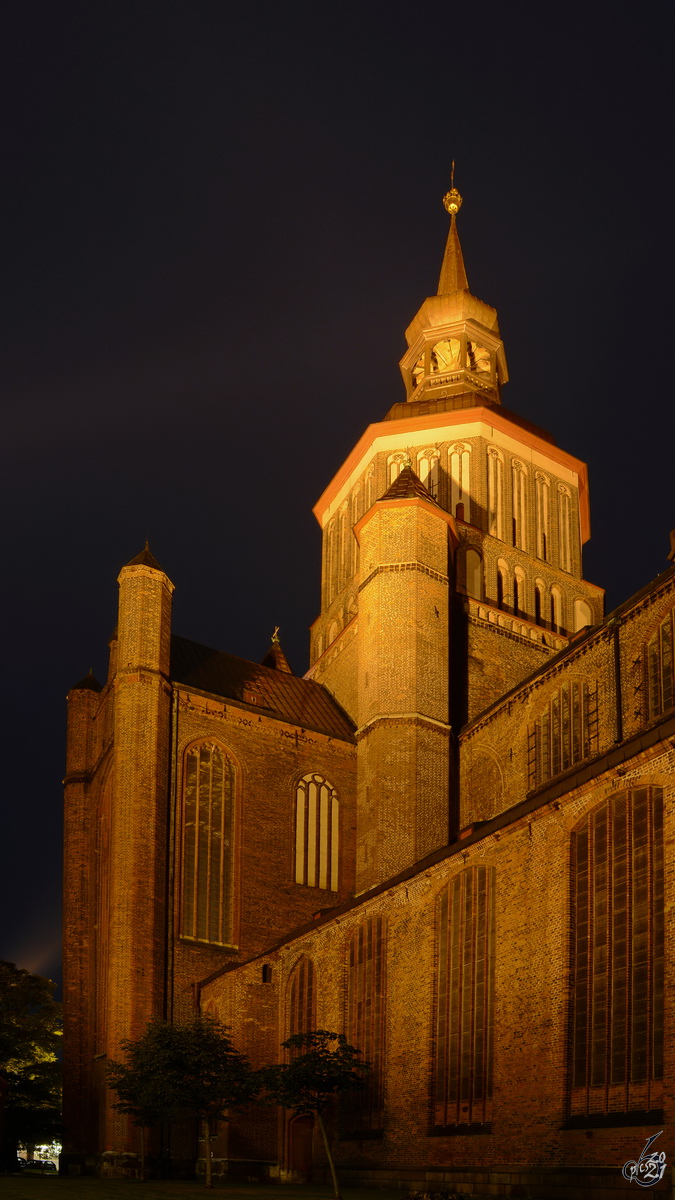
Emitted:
<point x="407" y="484"/>
<point x="299" y="701"/>
<point x="276" y="659"/>
<point x="145" y="559"/>
<point x="89" y="684"/>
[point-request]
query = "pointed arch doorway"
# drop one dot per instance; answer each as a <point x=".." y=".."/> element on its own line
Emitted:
<point x="300" y="1138"/>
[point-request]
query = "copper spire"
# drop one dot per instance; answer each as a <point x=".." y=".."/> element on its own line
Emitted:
<point x="453" y="275"/>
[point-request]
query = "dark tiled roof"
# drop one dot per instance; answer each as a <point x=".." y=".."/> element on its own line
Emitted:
<point x="145" y="559"/>
<point x="276" y="659"/>
<point x="407" y="484"/>
<point x="89" y="684"/>
<point x="299" y="701"/>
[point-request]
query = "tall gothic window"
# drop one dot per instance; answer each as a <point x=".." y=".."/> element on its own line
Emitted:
<point x="556" y="610"/>
<point x="565" y="527"/>
<point x="542" y="489"/>
<point x="464" y="1000"/>
<point x="317" y="821"/>
<point x="362" y="1110"/>
<point x="208" y="804"/>
<point x="566" y="732"/>
<point x="519" y="496"/>
<point x="427" y="470"/>
<point x="617" y="956"/>
<point x="495" y="494"/>
<point x="661" y="669"/>
<point x="460" y="477"/>
<point x="395" y="464"/>
<point x="302" y="997"/>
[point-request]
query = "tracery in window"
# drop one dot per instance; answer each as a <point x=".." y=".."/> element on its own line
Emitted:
<point x="362" y="1109"/>
<point x="542" y="491"/>
<point x="427" y="470"/>
<point x="317" y="813"/>
<point x="565" y="527"/>
<point x="460" y="476"/>
<point x="464" y="1000"/>
<point x="208" y="812"/>
<point x="495" y="493"/>
<point x="661" y="669"/>
<point x="566" y="732"/>
<point x="618" y="955"/>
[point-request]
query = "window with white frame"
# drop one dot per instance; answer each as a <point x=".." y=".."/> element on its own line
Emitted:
<point x="565" y="527"/>
<point x="519" y="495"/>
<point x="427" y="470"/>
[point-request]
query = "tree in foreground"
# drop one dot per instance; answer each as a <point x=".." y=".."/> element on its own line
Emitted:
<point x="322" y="1065"/>
<point x="173" y="1069"/>
<point x="30" y="1036"/>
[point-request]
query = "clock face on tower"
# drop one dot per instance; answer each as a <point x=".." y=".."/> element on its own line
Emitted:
<point x="446" y="356"/>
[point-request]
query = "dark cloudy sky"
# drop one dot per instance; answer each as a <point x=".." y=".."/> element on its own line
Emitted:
<point x="218" y="219"/>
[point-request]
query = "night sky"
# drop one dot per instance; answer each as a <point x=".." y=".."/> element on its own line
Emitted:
<point x="218" y="220"/>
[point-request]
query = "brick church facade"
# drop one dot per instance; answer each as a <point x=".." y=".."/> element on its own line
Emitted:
<point x="452" y="839"/>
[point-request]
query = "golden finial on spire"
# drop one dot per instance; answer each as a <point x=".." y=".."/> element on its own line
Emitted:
<point x="452" y="201"/>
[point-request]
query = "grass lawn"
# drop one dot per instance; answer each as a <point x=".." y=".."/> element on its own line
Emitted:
<point x="56" y="1187"/>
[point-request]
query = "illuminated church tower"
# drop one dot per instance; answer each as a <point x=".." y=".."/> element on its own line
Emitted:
<point x="452" y="543"/>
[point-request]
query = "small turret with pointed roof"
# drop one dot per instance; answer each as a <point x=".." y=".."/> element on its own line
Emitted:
<point x="406" y="485"/>
<point x="145" y="559"/>
<point x="89" y="684"/>
<point x="455" y="354"/>
<point x="275" y="656"/>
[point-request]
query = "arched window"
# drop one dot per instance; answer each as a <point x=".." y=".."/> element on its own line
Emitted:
<point x="519" y="497"/>
<point x="208" y="818"/>
<point x="464" y="1000"/>
<point x="301" y="997"/>
<point x="502" y="583"/>
<point x="344" y="532"/>
<point x="366" y="965"/>
<point x="460" y="480"/>
<point x="474" y="574"/>
<point x="542" y="490"/>
<point x="316" y="833"/>
<point x="556" y="610"/>
<point x="519" y="603"/>
<point x="565" y="527"/>
<point x="539" y="592"/>
<point x="495" y="494"/>
<point x="395" y="464"/>
<point x="330" y="562"/>
<point x="370" y="483"/>
<point x="582" y="614"/>
<point x="617" y="956"/>
<point x="427" y="470"/>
